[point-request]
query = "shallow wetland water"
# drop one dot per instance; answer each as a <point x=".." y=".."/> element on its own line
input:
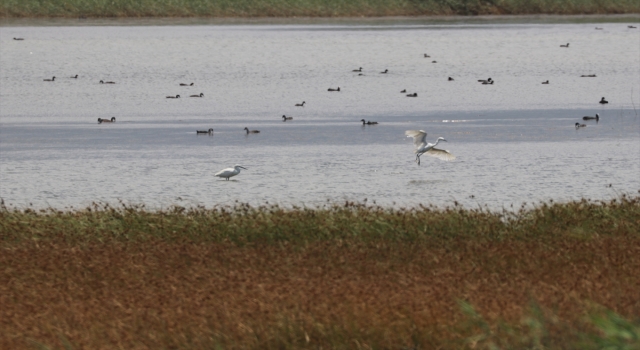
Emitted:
<point x="515" y="140"/>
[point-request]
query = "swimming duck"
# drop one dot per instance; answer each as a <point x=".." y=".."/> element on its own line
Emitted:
<point x="300" y="104"/>
<point x="598" y="28"/>
<point x="285" y="118"/>
<point x="52" y="79"/>
<point x="578" y="125"/>
<point x="368" y="123"/>
<point x="488" y="82"/>
<point x="434" y="61"/>
<point x="252" y="131"/>
<point x="357" y="70"/>
<point x="546" y="82"/>
<point x="201" y="95"/>
<point x="450" y="79"/>
<point x="183" y="84"/>
<point x="415" y="94"/>
<point x="565" y="45"/>
<point x="603" y="101"/>
<point x="485" y="80"/>
<point x="331" y="89"/>
<point x="76" y="77"/>
<point x="18" y="38"/>
<point x="631" y="27"/>
<point x="385" y="71"/>
<point x="403" y="91"/>
<point x="588" y="117"/>
<point x="107" y="82"/>
<point x="210" y="131"/>
<point x="426" y="56"/>
<point x="176" y="96"/>
<point x="112" y="120"/>
<point x="588" y="76"/>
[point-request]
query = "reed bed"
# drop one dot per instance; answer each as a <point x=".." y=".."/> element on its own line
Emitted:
<point x="559" y="275"/>
<point x="307" y="8"/>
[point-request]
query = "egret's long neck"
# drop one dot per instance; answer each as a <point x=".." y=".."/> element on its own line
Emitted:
<point x="435" y="144"/>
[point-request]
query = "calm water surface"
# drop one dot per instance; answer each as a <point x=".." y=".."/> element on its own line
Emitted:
<point x="515" y="140"/>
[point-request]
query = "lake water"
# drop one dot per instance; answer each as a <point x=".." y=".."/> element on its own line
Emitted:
<point x="515" y="140"/>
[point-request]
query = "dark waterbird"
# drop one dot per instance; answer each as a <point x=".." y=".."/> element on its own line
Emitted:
<point x="450" y="79"/>
<point x="368" y="123"/>
<point x="403" y="91"/>
<point x="75" y="77"/>
<point x="210" y="131"/>
<point x="385" y="71"/>
<point x="357" y="70"/>
<point x="588" y="117"/>
<point x="52" y="79"/>
<point x="565" y="45"/>
<point x="18" y="38"/>
<point x="201" y="95"/>
<point x="183" y="84"/>
<point x="332" y="89"/>
<point x="546" y="82"/>
<point x="415" y="94"/>
<point x="112" y="120"/>
<point x="603" y="101"/>
<point x="107" y="82"/>
<point x="578" y="125"/>
<point x="300" y="104"/>
<point x="252" y="131"/>
<point x="285" y="118"/>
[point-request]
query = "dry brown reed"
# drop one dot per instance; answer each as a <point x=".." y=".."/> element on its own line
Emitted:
<point x="340" y="292"/>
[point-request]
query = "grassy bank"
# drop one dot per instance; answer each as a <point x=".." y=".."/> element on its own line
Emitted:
<point x="344" y="276"/>
<point x="307" y="8"/>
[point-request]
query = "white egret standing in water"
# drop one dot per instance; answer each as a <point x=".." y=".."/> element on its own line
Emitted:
<point x="230" y="172"/>
<point x="422" y="147"/>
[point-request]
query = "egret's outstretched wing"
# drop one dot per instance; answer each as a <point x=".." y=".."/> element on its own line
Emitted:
<point x="419" y="136"/>
<point x="440" y="154"/>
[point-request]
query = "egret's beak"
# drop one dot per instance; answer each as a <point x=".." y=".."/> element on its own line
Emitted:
<point x="243" y="168"/>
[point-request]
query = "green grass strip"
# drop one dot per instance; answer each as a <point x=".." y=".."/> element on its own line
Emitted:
<point x="244" y="224"/>
<point x="307" y="8"/>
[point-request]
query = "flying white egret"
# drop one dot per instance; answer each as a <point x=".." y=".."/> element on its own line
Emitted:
<point x="422" y="147"/>
<point x="230" y="172"/>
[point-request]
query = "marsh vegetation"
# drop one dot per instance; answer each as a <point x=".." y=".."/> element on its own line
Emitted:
<point x="557" y="275"/>
<point x="306" y="8"/>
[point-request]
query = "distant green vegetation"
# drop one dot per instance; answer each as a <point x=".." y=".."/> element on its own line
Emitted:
<point x="307" y="8"/>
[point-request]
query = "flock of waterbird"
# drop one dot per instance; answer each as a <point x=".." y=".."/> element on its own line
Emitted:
<point x="419" y="136"/>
